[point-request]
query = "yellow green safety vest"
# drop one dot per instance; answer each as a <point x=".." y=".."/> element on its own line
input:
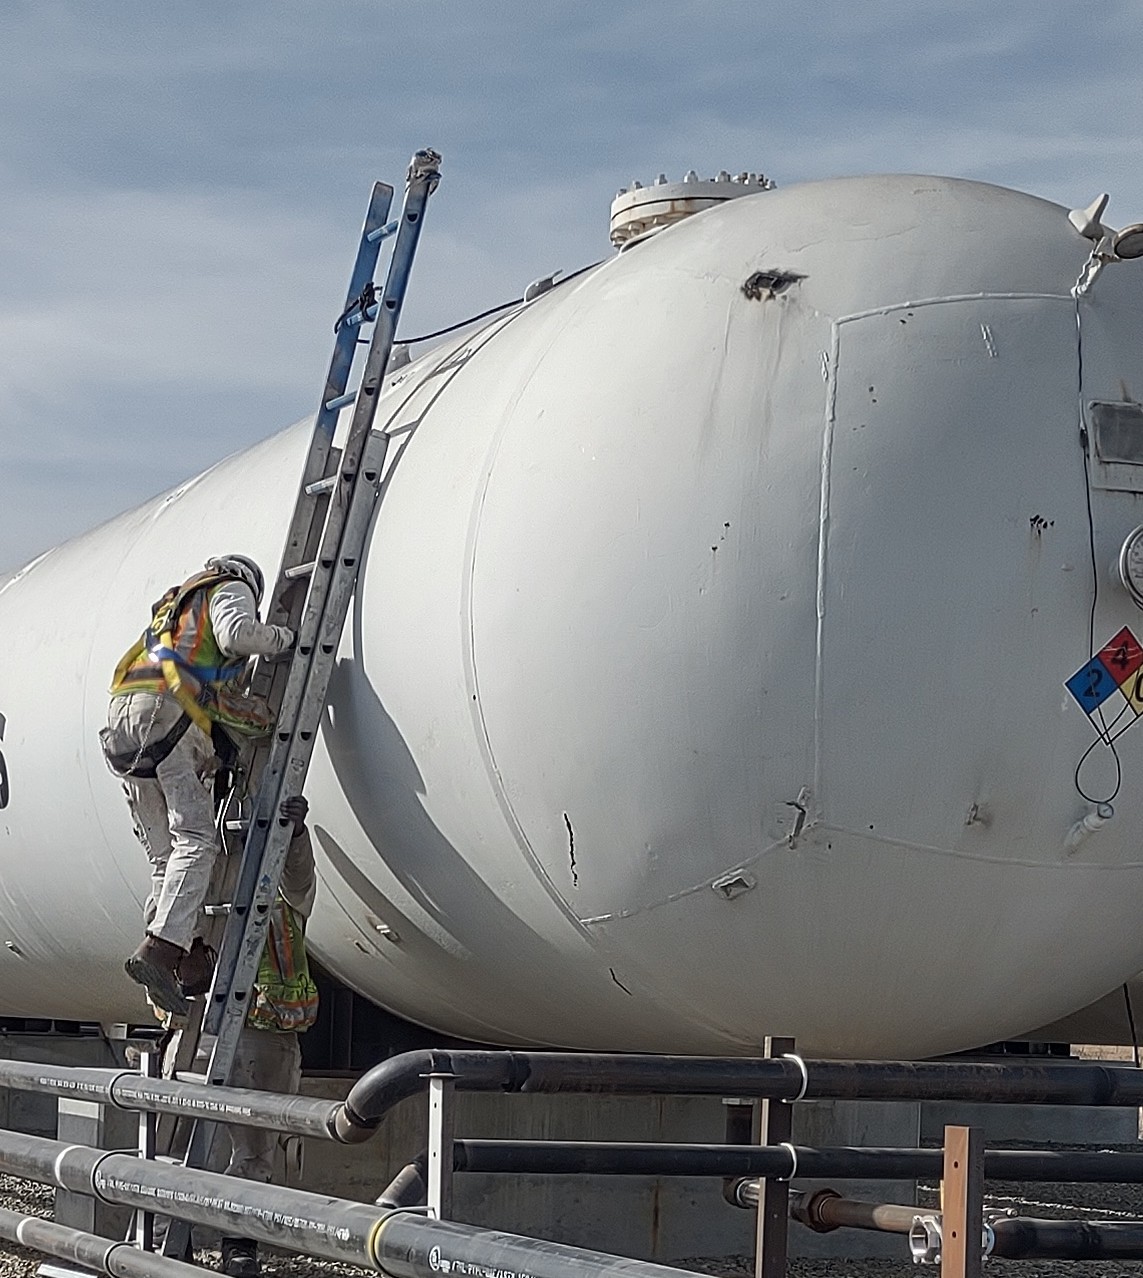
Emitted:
<point x="179" y="654"/>
<point x="285" y="997"/>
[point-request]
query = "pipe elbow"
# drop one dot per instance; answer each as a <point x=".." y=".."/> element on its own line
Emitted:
<point x="347" y="1128"/>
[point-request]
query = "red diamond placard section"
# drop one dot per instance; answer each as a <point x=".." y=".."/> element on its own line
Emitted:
<point x="1123" y="656"/>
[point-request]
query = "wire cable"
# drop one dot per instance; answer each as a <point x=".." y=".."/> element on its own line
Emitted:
<point x="452" y="328"/>
<point x="492" y="310"/>
<point x="1131" y="1023"/>
<point x="1104" y="736"/>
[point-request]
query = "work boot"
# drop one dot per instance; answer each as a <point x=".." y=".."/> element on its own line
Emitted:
<point x="240" y="1258"/>
<point x="155" y="965"/>
<point x="196" y="968"/>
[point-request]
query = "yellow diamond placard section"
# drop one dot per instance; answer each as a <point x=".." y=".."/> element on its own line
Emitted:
<point x="1132" y="689"/>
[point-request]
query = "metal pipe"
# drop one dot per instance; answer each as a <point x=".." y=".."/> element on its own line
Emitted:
<point x="782" y="1162"/>
<point x="404" y="1244"/>
<point x="1013" y="1238"/>
<point x="1029" y="1239"/>
<point x="410" y="1246"/>
<point x="408" y="1188"/>
<point x="373" y="1095"/>
<point x="105" y="1256"/>
<point x="826" y="1210"/>
<point x="293" y="1218"/>
<point x="298" y="1115"/>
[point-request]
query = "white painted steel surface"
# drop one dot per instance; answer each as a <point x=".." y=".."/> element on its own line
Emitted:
<point x="655" y="564"/>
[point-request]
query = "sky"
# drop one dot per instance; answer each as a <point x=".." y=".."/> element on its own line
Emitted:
<point x="182" y="186"/>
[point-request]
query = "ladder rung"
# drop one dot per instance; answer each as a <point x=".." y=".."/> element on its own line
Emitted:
<point x="383" y="232"/>
<point x="321" y="485"/>
<point x="301" y="570"/>
<point x="237" y="823"/>
<point x="217" y="910"/>
<point x="366" y="316"/>
<point x="340" y="401"/>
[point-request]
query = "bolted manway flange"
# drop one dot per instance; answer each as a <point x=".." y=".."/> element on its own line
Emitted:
<point x="640" y="208"/>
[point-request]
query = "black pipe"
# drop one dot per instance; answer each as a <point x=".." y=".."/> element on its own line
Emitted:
<point x="104" y="1255"/>
<point x="1029" y="1239"/>
<point x="1015" y="1238"/>
<point x="401" y="1243"/>
<point x="373" y="1095"/>
<point x="409" y="1246"/>
<point x="784" y="1162"/>
<point x="408" y="1187"/>
<point x="128" y="1090"/>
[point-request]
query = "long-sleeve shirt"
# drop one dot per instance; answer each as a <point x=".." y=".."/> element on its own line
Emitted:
<point x="237" y="630"/>
<point x="299" y="878"/>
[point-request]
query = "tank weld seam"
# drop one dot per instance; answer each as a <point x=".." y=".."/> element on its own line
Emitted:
<point x="631" y="911"/>
<point x="484" y="739"/>
<point x="830" y="372"/>
<point x="962" y="854"/>
<point x="890" y="307"/>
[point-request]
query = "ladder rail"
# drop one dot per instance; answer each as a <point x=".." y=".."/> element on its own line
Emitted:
<point x="301" y="539"/>
<point x="337" y="377"/>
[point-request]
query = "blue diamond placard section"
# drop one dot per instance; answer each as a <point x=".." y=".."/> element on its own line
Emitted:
<point x="1091" y="685"/>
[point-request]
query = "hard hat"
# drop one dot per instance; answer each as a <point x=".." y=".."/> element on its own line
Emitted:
<point x="242" y="567"/>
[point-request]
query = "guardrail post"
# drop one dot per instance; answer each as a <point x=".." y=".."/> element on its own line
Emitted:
<point x="149" y="1067"/>
<point x="962" y="1203"/>
<point x="442" y="1133"/>
<point x="774" y="1195"/>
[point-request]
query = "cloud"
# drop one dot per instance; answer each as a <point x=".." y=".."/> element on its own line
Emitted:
<point x="183" y="184"/>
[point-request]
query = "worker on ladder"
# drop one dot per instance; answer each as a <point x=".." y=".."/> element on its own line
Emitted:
<point x="174" y="695"/>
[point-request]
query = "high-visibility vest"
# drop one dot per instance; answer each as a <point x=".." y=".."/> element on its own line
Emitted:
<point x="178" y="652"/>
<point x="285" y="996"/>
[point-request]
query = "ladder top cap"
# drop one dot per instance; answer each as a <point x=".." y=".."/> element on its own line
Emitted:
<point x="424" y="164"/>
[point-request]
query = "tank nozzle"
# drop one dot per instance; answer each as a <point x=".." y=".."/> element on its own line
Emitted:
<point x="1092" y="821"/>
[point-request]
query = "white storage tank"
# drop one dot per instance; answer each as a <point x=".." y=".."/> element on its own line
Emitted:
<point x="705" y="675"/>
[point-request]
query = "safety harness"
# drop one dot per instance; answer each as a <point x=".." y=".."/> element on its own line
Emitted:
<point x="174" y="654"/>
<point x="143" y="763"/>
<point x="157" y="662"/>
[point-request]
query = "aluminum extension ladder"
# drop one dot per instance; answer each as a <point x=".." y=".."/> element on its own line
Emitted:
<point x="323" y="550"/>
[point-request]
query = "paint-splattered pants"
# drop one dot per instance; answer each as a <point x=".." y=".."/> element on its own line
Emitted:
<point x="269" y="1062"/>
<point x="173" y="814"/>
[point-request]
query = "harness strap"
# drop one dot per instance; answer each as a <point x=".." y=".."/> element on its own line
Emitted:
<point x="158" y="651"/>
<point x="143" y="764"/>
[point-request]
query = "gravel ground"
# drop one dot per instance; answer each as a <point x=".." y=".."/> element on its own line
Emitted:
<point x="1090" y="1202"/>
